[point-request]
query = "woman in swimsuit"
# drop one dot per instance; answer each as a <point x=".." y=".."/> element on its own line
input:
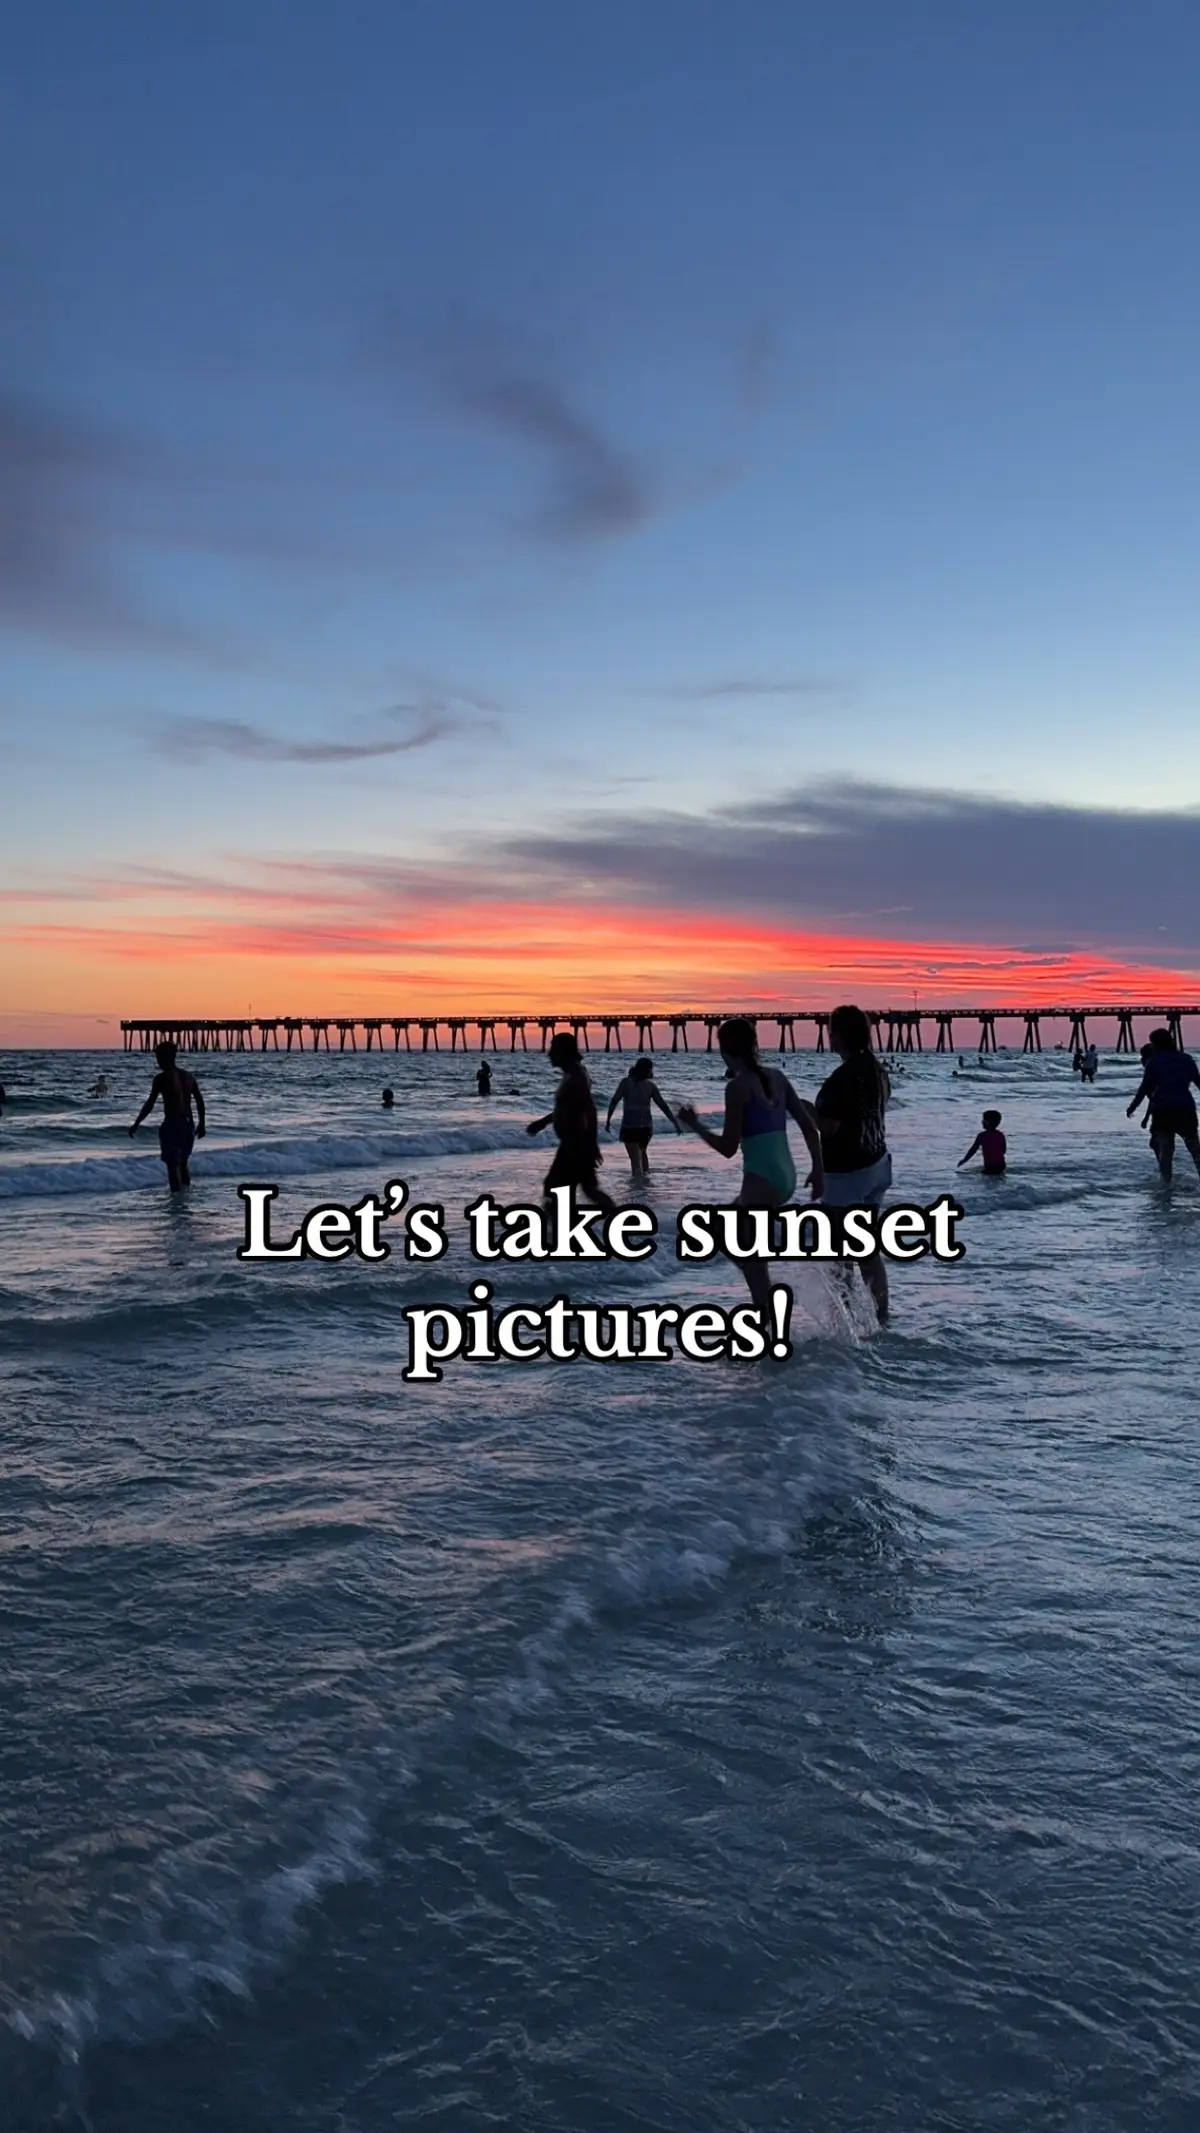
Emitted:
<point x="759" y="1100"/>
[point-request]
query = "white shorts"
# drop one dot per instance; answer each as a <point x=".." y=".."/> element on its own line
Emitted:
<point x="857" y="1188"/>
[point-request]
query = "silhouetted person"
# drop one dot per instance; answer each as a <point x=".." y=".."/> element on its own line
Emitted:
<point x="1168" y="1078"/>
<point x="99" y="1087"/>
<point x="850" y="1110"/>
<point x="575" y="1122"/>
<point x="759" y="1100"/>
<point x="991" y="1145"/>
<point x="635" y="1094"/>
<point x="388" y="1099"/>
<point x="483" y="1079"/>
<point x="176" y="1135"/>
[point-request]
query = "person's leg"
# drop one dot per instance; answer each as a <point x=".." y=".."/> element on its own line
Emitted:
<point x="635" y="1158"/>
<point x="874" y="1273"/>
<point x="1192" y="1143"/>
<point x="757" y="1193"/>
<point x="1164" y="1150"/>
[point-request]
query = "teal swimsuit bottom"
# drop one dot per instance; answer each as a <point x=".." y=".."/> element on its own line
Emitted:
<point x="765" y="1150"/>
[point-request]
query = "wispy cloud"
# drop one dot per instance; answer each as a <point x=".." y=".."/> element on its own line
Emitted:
<point x="594" y="491"/>
<point x="191" y="740"/>
<point x="760" y="685"/>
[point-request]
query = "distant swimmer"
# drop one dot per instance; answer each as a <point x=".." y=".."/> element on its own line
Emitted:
<point x="1168" y="1078"/>
<point x="635" y="1094"/>
<point x="99" y="1087"/>
<point x="178" y="1090"/>
<point x="483" y="1079"/>
<point x="850" y="1113"/>
<point x="1089" y="1063"/>
<point x="388" y="1099"/>
<point x="759" y="1101"/>
<point x="991" y="1145"/>
<point x="574" y="1121"/>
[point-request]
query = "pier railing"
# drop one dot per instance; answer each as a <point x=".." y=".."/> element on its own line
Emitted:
<point x="895" y="1029"/>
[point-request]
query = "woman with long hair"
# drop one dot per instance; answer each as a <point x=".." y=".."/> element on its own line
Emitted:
<point x="850" y="1110"/>
<point x="574" y="1121"/>
<point x="759" y="1101"/>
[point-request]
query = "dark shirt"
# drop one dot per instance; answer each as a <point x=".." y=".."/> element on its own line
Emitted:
<point x="855" y="1096"/>
<point x="575" y="1120"/>
<point x="1168" y="1080"/>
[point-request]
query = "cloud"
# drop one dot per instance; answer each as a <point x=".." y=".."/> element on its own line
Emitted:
<point x="190" y="740"/>
<point x="900" y="861"/>
<point x="738" y="685"/>
<point x="595" y="491"/>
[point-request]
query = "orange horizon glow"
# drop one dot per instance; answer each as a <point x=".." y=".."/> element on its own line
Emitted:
<point x="457" y="956"/>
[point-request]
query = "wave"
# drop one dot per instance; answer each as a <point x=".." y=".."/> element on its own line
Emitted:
<point x="202" y="1945"/>
<point x="258" y="1162"/>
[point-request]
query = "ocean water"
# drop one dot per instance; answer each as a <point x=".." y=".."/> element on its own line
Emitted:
<point x="686" y="1746"/>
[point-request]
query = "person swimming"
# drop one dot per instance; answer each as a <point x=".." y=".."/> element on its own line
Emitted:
<point x="991" y="1144"/>
<point x="99" y="1087"/>
<point x="388" y="1099"/>
<point x="176" y="1135"/>
<point x="759" y="1101"/>
<point x="575" y="1122"/>
<point x="635" y="1094"/>
<point x="1168" y="1078"/>
<point x="850" y="1108"/>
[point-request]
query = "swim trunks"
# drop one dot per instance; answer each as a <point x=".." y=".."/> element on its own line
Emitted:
<point x="636" y="1136"/>
<point x="1174" y="1118"/>
<point x="575" y="1163"/>
<point x="176" y="1139"/>
<point x="858" y="1188"/>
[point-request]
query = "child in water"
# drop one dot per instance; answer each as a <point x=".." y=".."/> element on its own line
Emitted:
<point x="991" y="1144"/>
<point x="636" y="1093"/>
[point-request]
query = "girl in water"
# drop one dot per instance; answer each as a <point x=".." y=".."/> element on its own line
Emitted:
<point x="759" y="1100"/>
<point x="636" y="1093"/>
<point x="850" y="1107"/>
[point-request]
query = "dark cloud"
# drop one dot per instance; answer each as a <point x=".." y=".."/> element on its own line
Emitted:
<point x="595" y="490"/>
<point x="902" y="863"/>
<point x="189" y="740"/>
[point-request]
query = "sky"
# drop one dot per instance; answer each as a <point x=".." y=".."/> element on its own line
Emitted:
<point x="514" y="506"/>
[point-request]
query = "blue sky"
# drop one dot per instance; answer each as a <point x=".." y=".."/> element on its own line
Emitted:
<point x="588" y="409"/>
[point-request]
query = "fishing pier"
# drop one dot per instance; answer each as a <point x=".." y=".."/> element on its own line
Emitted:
<point x="895" y="1029"/>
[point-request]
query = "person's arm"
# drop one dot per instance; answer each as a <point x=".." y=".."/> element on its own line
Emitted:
<point x="196" y="1092"/>
<point x="536" y="1125"/>
<point x="666" y="1110"/>
<point x="148" y="1106"/>
<point x="974" y="1148"/>
<point x="806" y="1119"/>
<point x="617" y="1095"/>
<point x="729" y="1140"/>
<point x="1142" y="1092"/>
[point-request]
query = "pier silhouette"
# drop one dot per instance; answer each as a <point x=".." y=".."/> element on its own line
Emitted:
<point x="895" y="1029"/>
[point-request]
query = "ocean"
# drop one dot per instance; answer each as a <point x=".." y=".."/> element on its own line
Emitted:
<point x="700" y="1746"/>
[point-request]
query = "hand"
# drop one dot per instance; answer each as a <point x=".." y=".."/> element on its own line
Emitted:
<point x="200" y="1131"/>
<point x="132" y="1130"/>
<point x="687" y="1112"/>
<point x="534" y="1126"/>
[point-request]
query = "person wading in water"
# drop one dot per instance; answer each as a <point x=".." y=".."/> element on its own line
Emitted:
<point x="574" y="1120"/>
<point x="850" y="1107"/>
<point x="176" y="1135"/>
<point x="759" y="1100"/>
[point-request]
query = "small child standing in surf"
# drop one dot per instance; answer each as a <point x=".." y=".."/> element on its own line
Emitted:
<point x="991" y="1145"/>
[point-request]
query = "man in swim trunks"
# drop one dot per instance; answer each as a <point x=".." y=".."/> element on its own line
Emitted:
<point x="176" y="1135"/>
<point x="1168" y="1078"/>
<point x="635" y="1094"/>
<point x="759" y="1101"/>
<point x="850" y="1107"/>
<point x="578" y="1129"/>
